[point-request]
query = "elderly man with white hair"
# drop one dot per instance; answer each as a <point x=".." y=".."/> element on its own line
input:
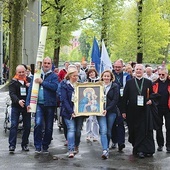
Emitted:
<point x="134" y="104"/>
<point x="162" y="86"/>
<point x="149" y="74"/>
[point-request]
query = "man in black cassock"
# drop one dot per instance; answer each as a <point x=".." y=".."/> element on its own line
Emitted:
<point x="134" y="109"/>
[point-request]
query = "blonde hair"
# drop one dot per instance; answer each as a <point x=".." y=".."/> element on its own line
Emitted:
<point x="29" y="67"/>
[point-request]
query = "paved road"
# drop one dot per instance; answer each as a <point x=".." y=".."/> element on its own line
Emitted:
<point x="88" y="158"/>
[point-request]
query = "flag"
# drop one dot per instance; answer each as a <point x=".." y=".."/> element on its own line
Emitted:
<point x="106" y="63"/>
<point x="95" y="55"/>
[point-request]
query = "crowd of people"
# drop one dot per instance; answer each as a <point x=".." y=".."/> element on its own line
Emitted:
<point x="135" y="96"/>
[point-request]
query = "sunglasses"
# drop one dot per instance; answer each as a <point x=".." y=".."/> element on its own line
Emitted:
<point x="161" y="74"/>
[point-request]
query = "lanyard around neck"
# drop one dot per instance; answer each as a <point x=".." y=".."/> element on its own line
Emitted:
<point x="139" y="88"/>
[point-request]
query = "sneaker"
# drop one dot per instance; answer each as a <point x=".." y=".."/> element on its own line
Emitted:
<point x="76" y="150"/>
<point x="11" y="149"/>
<point x="25" y="148"/>
<point x="105" y="154"/>
<point x="114" y="145"/>
<point x="45" y="151"/>
<point x="38" y="150"/>
<point x="71" y="155"/>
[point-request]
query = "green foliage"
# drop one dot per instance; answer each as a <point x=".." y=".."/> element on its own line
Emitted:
<point x="84" y="45"/>
<point x="62" y="17"/>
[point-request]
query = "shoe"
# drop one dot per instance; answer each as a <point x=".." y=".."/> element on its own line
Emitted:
<point x="105" y="154"/>
<point x="76" y="150"/>
<point x="71" y="155"/>
<point x="66" y="143"/>
<point x="25" y="148"/>
<point x="11" y="149"/>
<point x="168" y="149"/>
<point x="88" y="139"/>
<point x="141" y="155"/>
<point x="114" y="145"/>
<point x="148" y="155"/>
<point x="38" y="150"/>
<point x="95" y="140"/>
<point x="121" y="147"/>
<point x="160" y="148"/>
<point x="45" y="151"/>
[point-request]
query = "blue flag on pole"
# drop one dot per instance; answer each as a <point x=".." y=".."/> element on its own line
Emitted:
<point x="95" y="55"/>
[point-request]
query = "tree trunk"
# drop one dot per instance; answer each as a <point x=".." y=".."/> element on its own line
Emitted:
<point x="104" y="24"/>
<point x="16" y="33"/>
<point x="56" y="52"/>
<point x="139" y="33"/>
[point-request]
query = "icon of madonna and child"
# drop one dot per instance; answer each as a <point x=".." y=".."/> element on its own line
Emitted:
<point x="89" y="102"/>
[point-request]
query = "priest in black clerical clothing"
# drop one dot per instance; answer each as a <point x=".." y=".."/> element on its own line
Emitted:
<point x="134" y="109"/>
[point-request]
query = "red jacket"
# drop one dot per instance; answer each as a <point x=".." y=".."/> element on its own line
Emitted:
<point x="155" y="90"/>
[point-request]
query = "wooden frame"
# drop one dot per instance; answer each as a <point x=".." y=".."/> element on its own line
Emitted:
<point x="89" y="99"/>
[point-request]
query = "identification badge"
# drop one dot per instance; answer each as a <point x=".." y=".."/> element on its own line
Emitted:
<point x="23" y="91"/>
<point x="121" y="92"/>
<point x="140" y="100"/>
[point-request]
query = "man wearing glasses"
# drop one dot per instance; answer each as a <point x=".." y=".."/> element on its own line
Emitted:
<point x="162" y="86"/>
<point x="118" y="130"/>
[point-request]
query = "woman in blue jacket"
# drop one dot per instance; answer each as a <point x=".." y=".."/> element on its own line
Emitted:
<point x="74" y="124"/>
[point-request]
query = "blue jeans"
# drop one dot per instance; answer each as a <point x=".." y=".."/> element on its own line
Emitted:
<point x="44" y="119"/>
<point x="105" y="128"/>
<point x="71" y="129"/>
<point x="74" y="127"/>
<point x="15" y="114"/>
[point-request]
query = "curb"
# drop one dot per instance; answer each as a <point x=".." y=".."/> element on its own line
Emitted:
<point x="3" y="85"/>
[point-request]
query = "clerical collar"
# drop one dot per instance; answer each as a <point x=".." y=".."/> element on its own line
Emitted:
<point x="139" y="78"/>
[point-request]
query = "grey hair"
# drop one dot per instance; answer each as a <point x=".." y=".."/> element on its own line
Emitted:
<point x="164" y="69"/>
<point x="143" y="68"/>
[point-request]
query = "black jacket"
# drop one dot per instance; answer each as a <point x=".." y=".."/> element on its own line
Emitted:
<point x="15" y="92"/>
<point x="112" y="99"/>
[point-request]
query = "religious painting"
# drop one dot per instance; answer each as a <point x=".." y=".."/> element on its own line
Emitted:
<point x="89" y="99"/>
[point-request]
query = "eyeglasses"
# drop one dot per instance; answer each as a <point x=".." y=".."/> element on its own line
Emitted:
<point x="161" y="74"/>
<point x="46" y="63"/>
<point x="117" y="67"/>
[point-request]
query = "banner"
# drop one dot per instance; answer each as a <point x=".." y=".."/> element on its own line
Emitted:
<point x="106" y="63"/>
<point x="37" y="73"/>
<point x="95" y="56"/>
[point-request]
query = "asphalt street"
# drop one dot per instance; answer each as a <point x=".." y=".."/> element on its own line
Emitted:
<point x="89" y="156"/>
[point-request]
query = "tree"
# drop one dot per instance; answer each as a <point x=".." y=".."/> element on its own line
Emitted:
<point x="62" y="18"/>
<point x="84" y="46"/>
<point x="16" y="12"/>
